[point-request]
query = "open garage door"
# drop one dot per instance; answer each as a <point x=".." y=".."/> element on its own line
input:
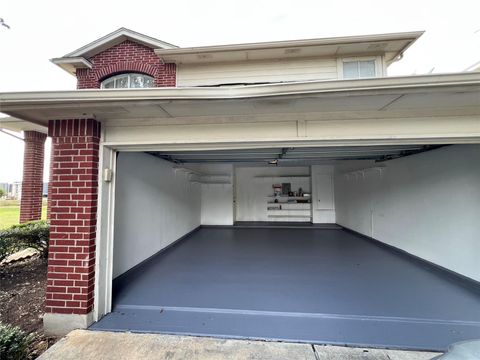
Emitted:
<point x="370" y="246"/>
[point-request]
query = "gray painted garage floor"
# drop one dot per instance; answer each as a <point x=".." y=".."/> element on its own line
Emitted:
<point x="304" y="285"/>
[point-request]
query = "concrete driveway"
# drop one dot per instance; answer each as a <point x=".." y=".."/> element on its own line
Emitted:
<point x="94" y="345"/>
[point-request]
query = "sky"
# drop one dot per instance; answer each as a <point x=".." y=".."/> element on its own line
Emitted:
<point x="41" y="30"/>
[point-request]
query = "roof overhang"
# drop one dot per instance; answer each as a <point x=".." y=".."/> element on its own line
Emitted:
<point x="17" y="125"/>
<point x="430" y="95"/>
<point x="70" y="65"/>
<point x="78" y="58"/>
<point x="390" y="45"/>
<point x="474" y="67"/>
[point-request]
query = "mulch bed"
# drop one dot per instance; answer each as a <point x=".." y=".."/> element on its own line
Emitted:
<point x="22" y="294"/>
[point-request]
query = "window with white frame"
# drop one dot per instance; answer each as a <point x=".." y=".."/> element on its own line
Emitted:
<point x="129" y="80"/>
<point x="359" y="69"/>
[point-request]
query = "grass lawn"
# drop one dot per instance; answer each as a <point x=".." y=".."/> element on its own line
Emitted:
<point x="10" y="212"/>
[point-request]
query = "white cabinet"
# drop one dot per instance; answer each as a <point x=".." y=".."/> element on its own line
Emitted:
<point x="288" y="211"/>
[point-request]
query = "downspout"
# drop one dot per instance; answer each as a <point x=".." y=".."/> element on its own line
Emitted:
<point x="395" y="59"/>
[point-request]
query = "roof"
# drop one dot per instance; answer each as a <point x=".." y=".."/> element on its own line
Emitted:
<point x="79" y="58"/>
<point x="392" y="45"/>
<point x="425" y="94"/>
<point x="474" y="67"/>
<point x="14" y="124"/>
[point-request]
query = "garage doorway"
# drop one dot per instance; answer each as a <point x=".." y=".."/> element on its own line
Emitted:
<point x="187" y="261"/>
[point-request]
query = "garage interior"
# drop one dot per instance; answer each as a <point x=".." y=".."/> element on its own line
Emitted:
<point x="363" y="246"/>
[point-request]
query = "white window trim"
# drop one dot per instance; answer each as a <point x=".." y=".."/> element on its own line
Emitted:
<point x="380" y="70"/>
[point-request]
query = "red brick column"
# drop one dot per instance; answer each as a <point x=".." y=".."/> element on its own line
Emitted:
<point x="73" y="213"/>
<point x="32" y="184"/>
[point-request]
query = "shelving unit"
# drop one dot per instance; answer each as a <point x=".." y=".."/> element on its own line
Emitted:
<point x="212" y="179"/>
<point x="289" y="211"/>
<point x="288" y="208"/>
<point x="202" y="178"/>
<point x="282" y="176"/>
<point x="286" y="197"/>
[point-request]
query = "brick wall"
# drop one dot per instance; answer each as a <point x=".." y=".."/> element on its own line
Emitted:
<point x="32" y="184"/>
<point x="125" y="57"/>
<point x="73" y="210"/>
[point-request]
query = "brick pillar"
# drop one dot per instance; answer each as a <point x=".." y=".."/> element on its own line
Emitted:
<point x="73" y="213"/>
<point x="32" y="184"/>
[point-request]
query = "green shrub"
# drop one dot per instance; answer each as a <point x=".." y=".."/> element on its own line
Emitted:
<point x="6" y="247"/>
<point x="33" y="234"/>
<point x="14" y="343"/>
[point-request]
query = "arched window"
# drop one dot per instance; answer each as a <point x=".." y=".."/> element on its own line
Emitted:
<point x="130" y="80"/>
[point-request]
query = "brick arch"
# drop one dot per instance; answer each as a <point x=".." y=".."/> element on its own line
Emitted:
<point x="124" y="67"/>
<point x="125" y="57"/>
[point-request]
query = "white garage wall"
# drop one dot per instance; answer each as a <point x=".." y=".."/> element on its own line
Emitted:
<point x="217" y="204"/>
<point x="216" y="199"/>
<point x="426" y="204"/>
<point x="154" y="206"/>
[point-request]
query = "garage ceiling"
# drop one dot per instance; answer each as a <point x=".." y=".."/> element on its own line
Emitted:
<point x="292" y="154"/>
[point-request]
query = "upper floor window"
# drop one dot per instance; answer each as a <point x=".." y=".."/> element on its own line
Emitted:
<point x="130" y="80"/>
<point x="358" y="69"/>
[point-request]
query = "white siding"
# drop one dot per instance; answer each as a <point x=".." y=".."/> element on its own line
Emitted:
<point x="256" y="71"/>
<point x="426" y="204"/>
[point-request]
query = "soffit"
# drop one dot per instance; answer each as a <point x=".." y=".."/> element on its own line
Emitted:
<point x="388" y="97"/>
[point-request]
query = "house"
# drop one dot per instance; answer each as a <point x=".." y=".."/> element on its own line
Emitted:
<point x="5" y="188"/>
<point x="15" y="191"/>
<point x="286" y="190"/>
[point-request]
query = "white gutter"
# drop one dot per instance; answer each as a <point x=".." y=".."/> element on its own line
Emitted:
<point x="251" y="91"/>
<point x="412" y="36"/>
<point x="474" y="67"/>
<point x="16" y="124"/>
<point x="77" y="61"/>
<point x="12" y="135"/>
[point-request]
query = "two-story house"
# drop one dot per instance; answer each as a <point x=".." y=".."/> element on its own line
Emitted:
<point x="286" y="190"/>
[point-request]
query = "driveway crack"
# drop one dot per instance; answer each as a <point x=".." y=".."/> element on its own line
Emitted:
<point x="317" y="357"/>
